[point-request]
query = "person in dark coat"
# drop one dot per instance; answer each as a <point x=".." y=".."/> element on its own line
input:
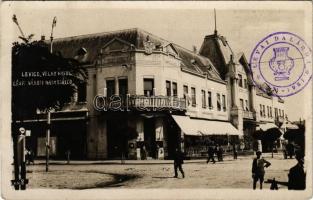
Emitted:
<point x="290" y="149"/>
<point x="296" y="176"/>
<point x="258" y="171"/>
<point x="220" y="152"/>
<point x="178" y="161"/>
<point x="235" y="151"/>
<point x="210" y="154"/>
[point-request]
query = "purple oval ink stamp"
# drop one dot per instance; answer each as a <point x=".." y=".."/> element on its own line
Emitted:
<point x="283" y="61"/>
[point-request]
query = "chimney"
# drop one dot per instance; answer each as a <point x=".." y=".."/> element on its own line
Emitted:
<point x="43" y="38"/>
<point x="194" y="49"/>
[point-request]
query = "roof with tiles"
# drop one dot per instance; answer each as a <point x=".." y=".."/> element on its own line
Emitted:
<point x="92" y="43"/>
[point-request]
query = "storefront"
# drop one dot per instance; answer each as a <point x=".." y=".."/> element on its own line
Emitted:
<point x="198" y="133"/>
<point x="141" y="136"/>
<point x="67" y="133"/>
<point x="267" y="136"/>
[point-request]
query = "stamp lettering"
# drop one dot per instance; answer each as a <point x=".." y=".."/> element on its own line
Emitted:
<point x="282" y="60"/>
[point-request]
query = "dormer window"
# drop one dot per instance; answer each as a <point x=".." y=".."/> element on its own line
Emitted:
<point x="81" y="51"/>
<point x="240" y="80"/>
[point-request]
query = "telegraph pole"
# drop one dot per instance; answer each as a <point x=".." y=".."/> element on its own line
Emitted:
<point x="48" y="139"/>
<point x="54" y="23"/>
<point x="215" y="30"/>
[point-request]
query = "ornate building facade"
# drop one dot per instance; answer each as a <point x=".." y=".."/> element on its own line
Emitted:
<point x="148" y="96"/>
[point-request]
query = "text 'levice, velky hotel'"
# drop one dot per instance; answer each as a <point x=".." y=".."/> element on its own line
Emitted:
<point x="167" y="97"/>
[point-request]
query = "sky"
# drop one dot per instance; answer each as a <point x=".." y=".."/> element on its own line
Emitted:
<point x="186" y="24"/>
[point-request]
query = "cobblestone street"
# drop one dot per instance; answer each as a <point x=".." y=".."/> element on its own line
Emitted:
<point x="154" y="174"/>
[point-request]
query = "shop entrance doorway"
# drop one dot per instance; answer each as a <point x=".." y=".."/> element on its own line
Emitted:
<point x="149" y="137"/>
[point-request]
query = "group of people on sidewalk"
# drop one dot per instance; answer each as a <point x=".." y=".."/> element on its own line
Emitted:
<point x="219" y="151"/>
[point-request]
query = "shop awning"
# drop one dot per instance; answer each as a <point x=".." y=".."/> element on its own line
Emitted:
<point x="198" y="127"/>
<point x="266" y="126"/>
<point x="288" y="125"/>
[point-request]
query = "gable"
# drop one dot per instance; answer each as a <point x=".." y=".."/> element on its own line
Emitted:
<point x="243" y="61"/>
<point x="117" y="44"/>
<point x="170" y="49"/>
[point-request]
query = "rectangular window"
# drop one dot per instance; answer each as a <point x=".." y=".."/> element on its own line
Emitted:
<point x="110" y="88"/>
<point x="240" y="80"/>
<point x="174" y="89"/>
<point x="279" y="112"/>
<point x="185" y="88"/>
<point x="203" y="99"/>
<point x="275" y="112"/>
<point x="264" y="112"/>
<point x="219" y="106"/>
<point x="224" y="102"/>
<point x="210" y="100"/>
<point x="148" y="85"/>
<point x="282" y="113"/>
<point x="261" y="110"/>
<point x="241" y="104"/>
<point x="245" y="83"/>
<point x="247" y="105"/>
<point x="123" y="87"/>
<point x="193" y="97"/>
<point x="168" y="88"/>
<point x="271" y="111"/>
<point x="268" y="111"/>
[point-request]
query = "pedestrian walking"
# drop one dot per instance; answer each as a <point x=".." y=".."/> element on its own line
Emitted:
<point x="235" y="151"/>
<point x="296" y="176"/>
<point x="220" y="152"/>
<point x="258" y="171"/>
<point x="284" y="149"/>
<point x="290" y="149"/>
<point x="178" y="162"/>
<point x="210" y="154"/>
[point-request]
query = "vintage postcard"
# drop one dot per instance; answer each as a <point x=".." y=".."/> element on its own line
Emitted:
<point x="156" y="100"/>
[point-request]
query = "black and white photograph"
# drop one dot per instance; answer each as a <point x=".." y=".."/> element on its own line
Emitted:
<point x="156" y="100"/>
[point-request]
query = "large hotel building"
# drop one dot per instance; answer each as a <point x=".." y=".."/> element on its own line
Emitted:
<point x="144" y="92"/>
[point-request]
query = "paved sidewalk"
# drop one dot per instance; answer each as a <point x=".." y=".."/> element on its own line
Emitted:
<point x="130" y="162"/>
<point x="154" y="173"/>
<point x="143" y="162"/>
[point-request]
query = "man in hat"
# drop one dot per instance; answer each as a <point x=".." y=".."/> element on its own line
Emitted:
<point x="178" y="161"/>
<point x="210" y="154"/>
<point x="258" y="171"/>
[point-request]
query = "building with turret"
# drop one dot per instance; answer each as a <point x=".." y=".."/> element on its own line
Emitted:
<point x="146" y="96"/>
<point x="252" y="106"/>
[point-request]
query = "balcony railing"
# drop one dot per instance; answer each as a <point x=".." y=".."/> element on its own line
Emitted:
<point x="157" y="103"/>
<point x="248" y="115"/>
<point x="139" y="103"/>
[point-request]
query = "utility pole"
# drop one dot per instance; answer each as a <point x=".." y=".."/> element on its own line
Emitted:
<point x="54" y="23"/>
<point x="48" y="139"/>
<point x="215" y="30"/>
